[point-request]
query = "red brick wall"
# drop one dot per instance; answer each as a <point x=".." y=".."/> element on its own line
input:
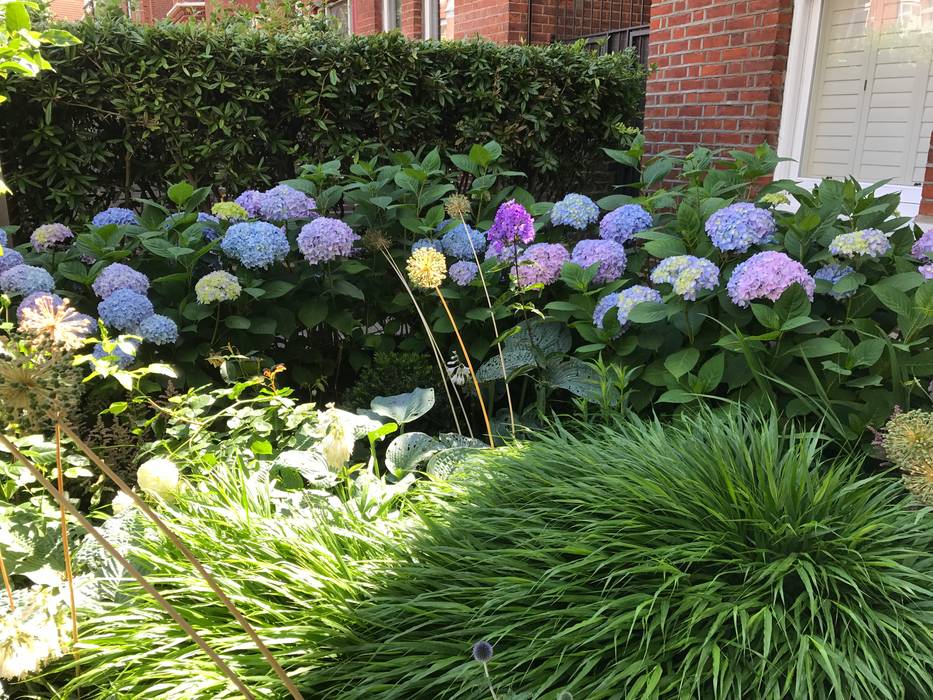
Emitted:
<point x="489" y="19"/>
<point x="367" y="16"/>
<point x="154" y="10"/>
<point x="720" y="72"/>
<point x="926" y="197"/>
<point x="67" y="9"/>
<point x="411" y="18"/>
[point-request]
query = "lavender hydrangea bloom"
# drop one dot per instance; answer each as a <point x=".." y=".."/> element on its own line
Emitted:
<point x="687" y="274"/>
<point x="512" y="225"/>
<point x="869" y="242"/>
<point x="923" y="246"/>
<point x="50" y="236"/>
<point x="767" y="275"/>
<point x="602" y="307"/>
<point x="255" y="244"/>
<point x="609" y="255"/>
<point x="10" y="258"/>
<point x="621" y="225"/>
<point x="250" y="200"/>
<point x="29" y="303"/>
<point x="122" y="358"/>
<point x="125" y="310"/>
<point x="23" y="280"/>
<point x="540" y="264"/>
<point x="284" y="203"/>
<point x="463" y="272"/>
<point x="632" y="297"/>
<point x="926" y="271"/>
<point x="832" y="274"/>
<point x="115" y="215"/>
<point x="427" y="243"/>
<point x="326" y="239"/>
<point x="158" y="329"/>
<point x="119" y="276"/>
<point x="740" y="226"/>
<point x="460" y="242"/>
<point x="576" y="211"/>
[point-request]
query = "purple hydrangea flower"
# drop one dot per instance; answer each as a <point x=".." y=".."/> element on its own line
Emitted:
<point x="869" y="242"/>
<point x="687" y="274"/>
<point x="250" y="200"/>
<point x="512" y="225"/>
<point x="621" y="225"/>
<point x="767" y="275"/>
<point x="29" y="302"/>
<point x="926" y="271"/>
<point x="255" y="244"/>
<point x="120" y="356"/>
<point x="460" y="241"/>
<point x="576" y="211"/>
<point x="832" y="274"/>
<point x="50" y="236"/>
<point x="609" y="255"/>
<point x="281" y="203"/>
<point x="23" y="280"/>
<point x="115" y="215"/>
<point x="740" y="226"/>
<point x="10" y="258"/>
<point x="125" y="310"/>
<point x="3" y="238"/>
<point x="540" y="264"/>
<point x="119" y="276"/>
<point x="463" y="272"/>
<point x="158" y="329"/>
<point x="923" y="246"/>
<point x="632" y="297"/>
<point x="326" y="239"/>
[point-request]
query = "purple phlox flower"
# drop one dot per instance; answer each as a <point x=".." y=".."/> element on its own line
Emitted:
<point x="511" y="226"/>
<point x="923" y="246"/>
<point x="10" y="258"/>
<point x="461" y="241"/>
<point x="115" y="215"/>
<point x="869" y="242"/>
<point x="632" y="297"/>
<point x="158" y="329"/>
<point x="256" y="244"/>
<point x="427" y="243"/>
<point x="23" y="280"/>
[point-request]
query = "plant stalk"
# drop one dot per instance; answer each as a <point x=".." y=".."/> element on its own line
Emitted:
<point x="66" y="545"/>
<point x="6" y="582"/>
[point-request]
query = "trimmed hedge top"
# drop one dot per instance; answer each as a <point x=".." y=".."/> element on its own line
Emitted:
<point x="134" y="107"/>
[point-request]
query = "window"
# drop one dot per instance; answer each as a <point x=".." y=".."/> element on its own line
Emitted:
<point x="391" y="14"/>
<point x="340" y="10"/>
<point x="438" y="19"/>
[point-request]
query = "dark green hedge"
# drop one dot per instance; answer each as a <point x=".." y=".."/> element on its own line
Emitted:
<point x="136" y="106"/>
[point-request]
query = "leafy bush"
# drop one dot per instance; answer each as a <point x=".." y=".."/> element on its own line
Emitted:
<point x="718" y="557"/>
<point x="258" y="102"/>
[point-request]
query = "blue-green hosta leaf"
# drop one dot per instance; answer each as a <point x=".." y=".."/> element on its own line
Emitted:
<point x="523" y="347"/>
<point x="310" y="464"/>
<point x="406" y="452"/>
<point x="576" y="376"/>
<point x="404" y="408"/>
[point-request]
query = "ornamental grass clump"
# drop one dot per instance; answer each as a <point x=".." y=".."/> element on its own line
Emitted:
<point x="720" y="557"/>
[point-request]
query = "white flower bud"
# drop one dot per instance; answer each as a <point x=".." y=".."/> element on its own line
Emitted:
<point x="158" y="477"/>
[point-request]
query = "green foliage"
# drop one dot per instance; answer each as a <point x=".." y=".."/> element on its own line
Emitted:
<point x="238" y="106"/>
<point x="720" y="557"/>
<point x="391" y="373"/>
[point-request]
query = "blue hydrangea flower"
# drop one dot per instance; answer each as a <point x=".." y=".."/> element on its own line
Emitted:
<point x="609" y="255"/>
<point x="463" y="272"/>
<point x="740" y="226"/>
<point x="632" y="297"/>
<point x="125" y="310"/>
<point x="115" y="215"/>
<point x="621" y="225"/>
<point x="923" y="246"/>
<point x="832" y="274"/>
<point x="255" y="244"/>
<point x="326" y="239"/>
<point x="281" y="203"/>
<point x="687" y="274"/>
<point x="123" y="354"/>
<point x="576" y="211"/>
<point x="217" y="286"/>
<point x="460" y="241"/>
<point x="3" y="238"/>
<point x="427" y="243"/>
<point x="213" y="223"/>
<point x="158" y="329"/>
<point x="767" y="275"/>
<point x="602" y="306"/>
<point x="23" y="280"/>
<point x="10" y="258"/>
<point x="50" y="236"/>
<point x="870" y="242"/>
<point x="119" y="276"/>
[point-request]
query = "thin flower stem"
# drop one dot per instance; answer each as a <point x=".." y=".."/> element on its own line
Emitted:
<point x="492" y="690"/>
<point x="6" y="582"/>
<point x="469" y="364"/>
<point x="132" y="570"/>
<point x="66" y="546"/>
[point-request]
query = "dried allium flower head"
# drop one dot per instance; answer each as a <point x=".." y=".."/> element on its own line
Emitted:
<point x="32" y="634"/>
<point x="457" y="206"/>
<point x="47" y="318"/>
<point x="375" y="240"/>
<point x="35" y="385"/>
<point x="908" y="442"/>
<point x="427" y="268"/>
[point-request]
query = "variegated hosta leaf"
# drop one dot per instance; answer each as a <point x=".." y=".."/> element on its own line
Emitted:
<point x="520" y="349"/>
<point x="444" y="463"/>
<point x="576" y="376"/>
<point x="310" y="464"/>
<point x="404" y="408"/>
<point x="408" y="451"/>
<point x="458" y="440"/>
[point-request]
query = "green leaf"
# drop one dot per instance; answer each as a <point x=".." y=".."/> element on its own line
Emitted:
<point x="406" y="452"/>
<point x="313" y="312"/>
<point x="179" y="192"/>
<point x="649" y="312"/>
<point x="17" y="18"/>
<point x="657" y="170"/>
<point x="480" y="156"/>
<point x="893" y="298"/>
<point x="681" y="362"/>
<point x="710" y="374"/>
<point x="237" y="322"/>
<point x="404" y="408"/>
<point x="819" y="347"/>
<point x="867" y="352"/>
<point x="276" y="289"/>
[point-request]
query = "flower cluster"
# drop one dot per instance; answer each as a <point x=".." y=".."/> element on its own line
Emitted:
<point x="462" y="241"/>
<point x="229" y="211"/>
<point x="23" y="280"/>
<point x="217" y="286"/>
<point x="923" y="246"/>
<point x="512" y="225"/>
<point x="926" y="270"/>
<point x="463" y="272"/>
<point x="621" y="225"/>
<point x="457" y="206"/>
<point x="158" y="329"/>
<point x="767" y="275"/>
<point x="576" y="211"/>
<point x="687" y="274"/>
<point x="119" y="276"/>
<point x="125" y="310"/>
<point x="256" y="245"/>
<point x="51" y="319"/>
<point x="740" y="226"/>
<point x="158" y="477"/>
<point x="427" y="268"/>
<point x="326" y="239"/>
<point x="33" y="633"/>
<point x="10" y="258"/>
<point x="609" y="255"/>
<point x="869" y="242"/>
<point x="632" y="297"/>
<point x="776" y="199"/>
<point x="122" y="354"/>
<point x="540" y="263"/>
<point x="51" y="237"/>
<point x="427" y="243"/>
<point x="832" y="274"/>
<point x="115" y="215"/>
<point x="281" y="203"/>
<point x="602" y="306"/>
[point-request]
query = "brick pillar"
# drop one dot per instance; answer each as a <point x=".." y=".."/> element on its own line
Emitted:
<point x="720" y="72"/>
<point x="367" y="16"/>
<point x="926" y="196"/>
<point x="412" y="10"/>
